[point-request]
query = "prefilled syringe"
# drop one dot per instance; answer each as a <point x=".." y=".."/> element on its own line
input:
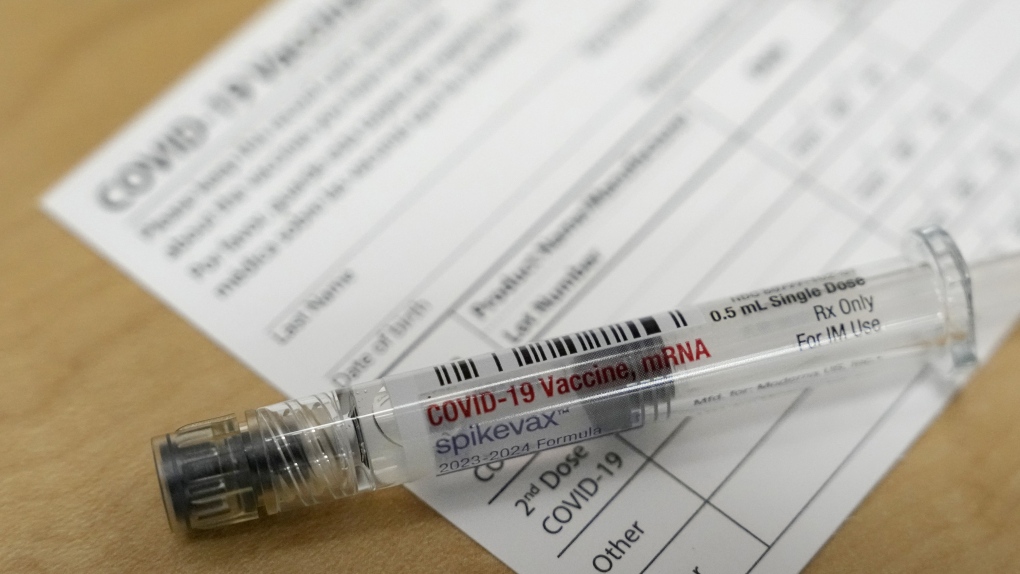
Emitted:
<point x="915" y="312"/>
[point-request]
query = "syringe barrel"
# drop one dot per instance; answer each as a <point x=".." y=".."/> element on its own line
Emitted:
<point x="908" y="313"/>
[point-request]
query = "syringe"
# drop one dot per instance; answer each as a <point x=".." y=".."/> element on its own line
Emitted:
<point x="433" y="421"/>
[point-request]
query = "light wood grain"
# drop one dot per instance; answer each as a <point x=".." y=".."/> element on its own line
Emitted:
<point x="91" y="365"/>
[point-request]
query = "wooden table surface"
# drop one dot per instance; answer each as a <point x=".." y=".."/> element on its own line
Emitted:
<point x="91" y="365"/>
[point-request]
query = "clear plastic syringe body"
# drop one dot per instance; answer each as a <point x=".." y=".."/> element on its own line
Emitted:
<point x="546" y="394"/>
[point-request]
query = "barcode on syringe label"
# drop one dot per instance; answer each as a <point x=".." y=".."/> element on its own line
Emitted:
<point x="462" y="370"/>
<point x="584" y="341"/>
<point x="536" y="353"/>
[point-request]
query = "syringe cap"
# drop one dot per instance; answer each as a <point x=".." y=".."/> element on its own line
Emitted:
<point x="204" y="475"/>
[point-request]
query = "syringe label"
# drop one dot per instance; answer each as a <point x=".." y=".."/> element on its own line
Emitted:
<point x="613" y="378"/>
<point x="558" y="403"/>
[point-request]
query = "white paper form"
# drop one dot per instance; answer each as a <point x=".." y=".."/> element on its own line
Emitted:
<point x="349" y="188"/>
